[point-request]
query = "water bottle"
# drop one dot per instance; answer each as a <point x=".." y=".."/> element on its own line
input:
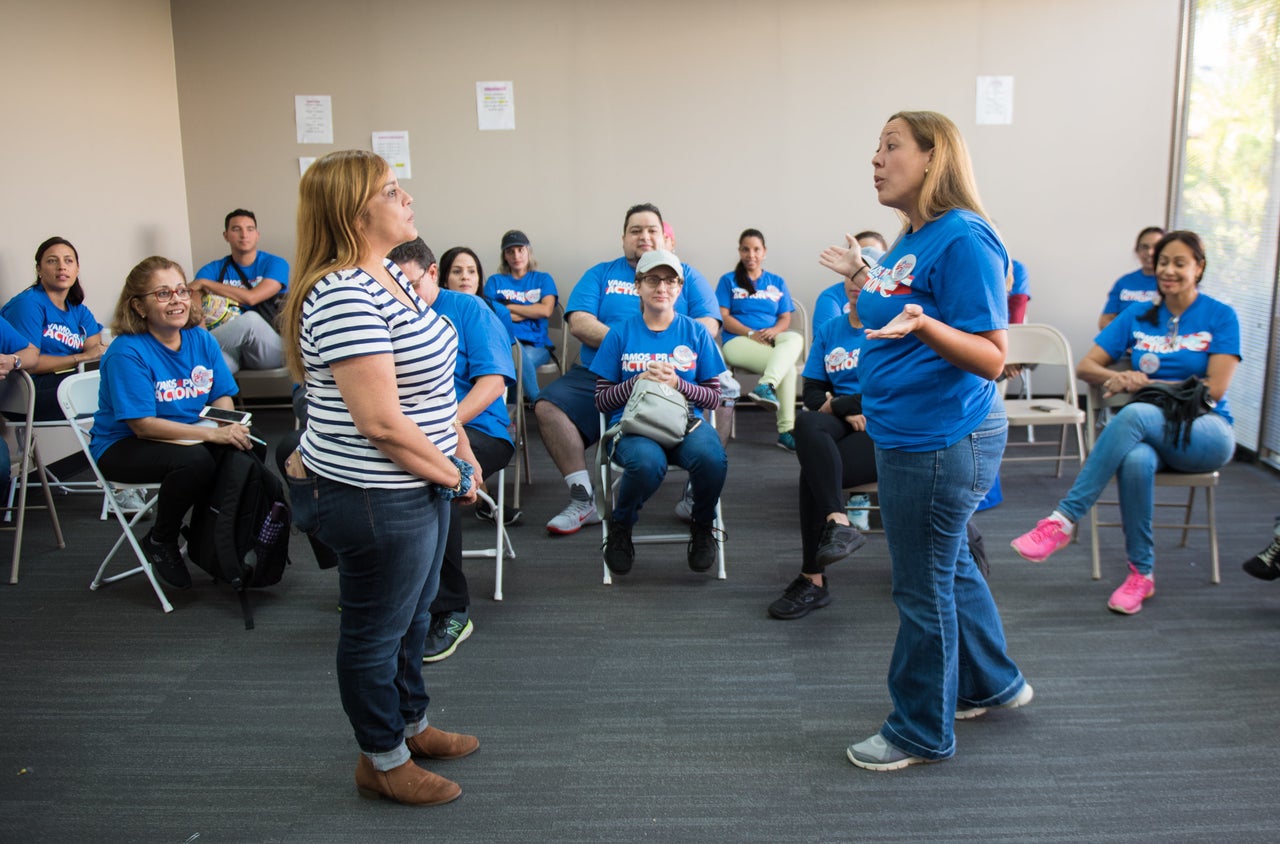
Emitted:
<point x="272" y="525"/>
<point x="855" y="509"/>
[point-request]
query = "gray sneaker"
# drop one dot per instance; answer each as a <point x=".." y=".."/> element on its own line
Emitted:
<point x="684" y="507"/>
<point x="876" y="754"/>
<point x="580" y="511"/>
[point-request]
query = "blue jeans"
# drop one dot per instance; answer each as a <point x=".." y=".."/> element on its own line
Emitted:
<point x="532" y="357"/>
<point x="389" y="544"/>
<point x="950" y="644"/>
<point x="644" y="464"/>
<point x="1132" y="448"/>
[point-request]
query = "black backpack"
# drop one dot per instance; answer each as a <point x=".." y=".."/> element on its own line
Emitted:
<point x="241" y="536"/>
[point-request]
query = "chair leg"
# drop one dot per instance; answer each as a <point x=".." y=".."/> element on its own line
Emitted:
<point x="602" y="496"/>
<point x="1213" y="535"/>
<point x="719" y="524"/>
<point x="1093" y="541"/>
<point x="499" y="513"/>
<point x="1186" y="516"/>
<point x="46" y="487"/>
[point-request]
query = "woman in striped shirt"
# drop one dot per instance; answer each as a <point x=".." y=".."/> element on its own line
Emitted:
<point x="379" y="461"/>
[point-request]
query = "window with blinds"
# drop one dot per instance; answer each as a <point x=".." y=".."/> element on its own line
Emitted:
<point x="1227" y="188"/>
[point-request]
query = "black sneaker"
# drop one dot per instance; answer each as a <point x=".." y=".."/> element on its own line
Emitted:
<point x="448" y="630"/>
<point x="619" y="553"/>
<point x="838" y="541"/>
<point x="801" y="597"/>
<point x="166" y="560"/>
<point x="702" y="546"/>
<point x="1265" y="565"/>
<point x="485" y="513"/>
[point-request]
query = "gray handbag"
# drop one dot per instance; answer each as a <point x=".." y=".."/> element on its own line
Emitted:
<point x="655" y="410"/>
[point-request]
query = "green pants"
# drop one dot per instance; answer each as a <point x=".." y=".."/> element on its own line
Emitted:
<point x="776" y="366"/>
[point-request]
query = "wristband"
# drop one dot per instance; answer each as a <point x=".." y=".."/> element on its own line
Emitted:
<point x="17" y="363"/>
<point x="465" y="472"/>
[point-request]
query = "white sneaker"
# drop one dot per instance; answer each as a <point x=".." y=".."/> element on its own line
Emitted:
<point x="1022" y="698"/>
<point x="130" y="501"/>
<point x="580" y="511"/>
<point x="684" y="507"/>
<point x="729" y="386"/>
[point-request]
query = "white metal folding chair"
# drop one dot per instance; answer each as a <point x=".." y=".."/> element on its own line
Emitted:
<point x="78" y="397"/>
<point x="501" y="549"/>
<point x="1036" y="343"/>
<point x="604" y="505"/>
<point x="18" y="402"/>
<point x="1208" y="481"/>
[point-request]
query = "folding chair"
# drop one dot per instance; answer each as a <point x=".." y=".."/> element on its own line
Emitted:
<point x="522" y="426"/>
<point x="78" y="397"/>
<point x="1035" y="343"/>
<point x="265" y="388"/>
<point x="1208" y="481"/>
<point x="604" y="504"/>
<point x="871" y="489"/>
<point x="501" y="548"/>
<point x="18" y="399"/>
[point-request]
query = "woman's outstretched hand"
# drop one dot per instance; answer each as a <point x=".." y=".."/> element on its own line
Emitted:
<point x="910" y="320"/>
<point x="845" y="260"/>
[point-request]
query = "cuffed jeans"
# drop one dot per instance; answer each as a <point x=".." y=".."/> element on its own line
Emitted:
<point x="644" y="465"/>
<point x="776" y="365"/>
<point x="950" y="644"/>
<point x="389" y="544"/>
<point x="1132" y="448"/>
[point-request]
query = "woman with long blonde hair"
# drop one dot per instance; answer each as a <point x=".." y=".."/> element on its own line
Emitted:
<point x="937" y="313"/>
<point x="379" y="461"/>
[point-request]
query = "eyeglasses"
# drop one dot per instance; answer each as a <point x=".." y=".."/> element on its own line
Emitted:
<point x="656" y="281"/>
<point x="164" y="294"/>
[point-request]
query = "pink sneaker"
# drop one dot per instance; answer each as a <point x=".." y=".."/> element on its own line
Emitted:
<point x="1041" y="542"/>
<point x="1137" y="587"/>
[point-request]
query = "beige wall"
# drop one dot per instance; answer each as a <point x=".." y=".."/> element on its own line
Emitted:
<point x="90" y="140"/>
<point x="726" y="114"/>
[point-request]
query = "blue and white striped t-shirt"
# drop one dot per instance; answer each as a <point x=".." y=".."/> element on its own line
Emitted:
<point x="349" y="314"/>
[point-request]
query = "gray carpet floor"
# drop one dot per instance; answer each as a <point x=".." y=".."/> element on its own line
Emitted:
<point x="667" y="707"/>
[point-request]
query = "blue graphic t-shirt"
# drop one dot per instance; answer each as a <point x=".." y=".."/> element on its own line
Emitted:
<point x="11" y="342"/>
<point x="1137" y="286"/>
<point x="831" y="303"/>
<point x="141" y="377"/>
<point x="1021" y="282"/>
<point x="837" y="346"/>
<point x="608" y="292"/>
<point x="755" y="310"/>
<point x="223" y="270"/>
<point x="1173" y="350"/>
<point x="954" y="268"/>
<point x="483" y="349"/>
<point x="49" y="328"/>
<point x="628" y="348"/>
<point x="529" y="289"/>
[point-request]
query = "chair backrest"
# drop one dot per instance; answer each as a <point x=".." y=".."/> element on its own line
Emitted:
<point x="558" y="325"/>
<point x="1094" y="403"/>
<point x="18" y="403"/>
<point x="804" y="329"/>
<point x="1037" y="343"/>
<point x="78" y="398"/>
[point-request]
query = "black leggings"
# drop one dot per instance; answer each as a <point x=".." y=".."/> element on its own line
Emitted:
<point x="185" y="474"/>
<point x="832" y="457"/>
<point x="492" y="454"/>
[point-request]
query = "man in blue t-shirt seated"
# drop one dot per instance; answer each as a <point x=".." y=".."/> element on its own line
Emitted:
<point x="605" y="296"/>
<point x="239" y="296"/>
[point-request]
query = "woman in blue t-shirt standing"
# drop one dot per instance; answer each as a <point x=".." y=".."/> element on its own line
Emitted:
<point x="936" y="309"/>
<point x="1185" y="334"/>
<point x="51" y="314"/>
<point x="755" y="312"/>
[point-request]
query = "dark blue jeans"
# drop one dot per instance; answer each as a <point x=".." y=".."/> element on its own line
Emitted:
<point x="644" y="464"/>
<point x="950" y="644"/>
<point x="389" y="544"/>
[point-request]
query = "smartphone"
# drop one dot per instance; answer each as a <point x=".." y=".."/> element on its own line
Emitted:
<point x="1043" y="408"/>
<point x="219" y="414"/>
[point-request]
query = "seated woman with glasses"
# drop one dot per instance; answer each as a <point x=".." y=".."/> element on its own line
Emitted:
<point x="660" y="345"/>
<point x="1184" y="334"/>
<point x="157" y="375"/>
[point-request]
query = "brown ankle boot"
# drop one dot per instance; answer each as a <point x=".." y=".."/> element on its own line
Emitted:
<point x="406" y="784"/>
<point x="437" y="744"/>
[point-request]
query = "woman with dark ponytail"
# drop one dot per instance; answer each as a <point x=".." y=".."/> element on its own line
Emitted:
<point x="755" y="310"/>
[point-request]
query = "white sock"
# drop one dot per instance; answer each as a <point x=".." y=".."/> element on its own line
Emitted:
<point x="1067" y="524"/>
<point x="582" y="478"/>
